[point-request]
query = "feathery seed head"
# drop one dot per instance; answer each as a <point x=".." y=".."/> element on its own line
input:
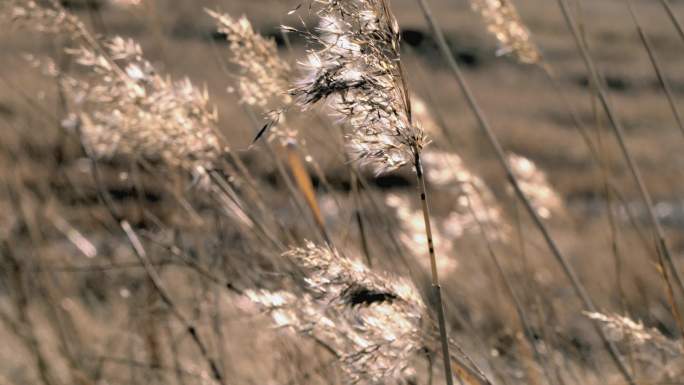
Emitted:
<point x="330" y="276"/>
<point x="124" y="106"/>
<point x="43" y="17"/>
<point x="544" y="198"/>
<point x="264" y="77"/>
<point x="413" y="234"/>
<point x="127" y="108"/>
<point x="357" y="71"/>
<point x="504" y="23"/>
<point x="632" y="333"/>
<point x="475" y="202"/>
<point x="372" y="322"/>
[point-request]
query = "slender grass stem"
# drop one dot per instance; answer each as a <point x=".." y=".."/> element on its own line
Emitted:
<point x="355" y="184"/>
<point x="660" y="241"/>
<point x="580" y="291"/>
<point x="668" y="93"/>
<point x="550" y="74"/>
<point x="303" y="181"/>
<point x="436" y="289"/>
<point x="517" y="303"/>
<point x="656" y="66"/>
<point x="673" y="18"/>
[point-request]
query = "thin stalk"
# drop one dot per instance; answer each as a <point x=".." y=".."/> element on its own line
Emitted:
<point x="289" y="183"/>
<point x="24" y="327"/>
<point x="656" y="66"/>
<point x="355" y="182"/>
<point x="436" y="289"/>
<point x="428" y="358"/>
<point x="157" y="284"/>
<point x="225" y="188"/>
<point x="550" y="74"/>
<point x="661" y="243"/>
<point x="303" y="181"/>
<point x="522" y="317"/>
<point x="359" y="218"/>
<point x="500" y="154"/>
<point x="673" y="18"/>
<point x="577" y="121"/>
<point x="154" y="278"/>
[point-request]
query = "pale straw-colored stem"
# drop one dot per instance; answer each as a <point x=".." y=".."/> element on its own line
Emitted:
<point x="668" y="93"/>
<point x="501" y="157"/>
<point x="436" y="289"/>
<point x="656" y="67"/>
<point x="673" y="18"/>
<point x="660" y="240"/>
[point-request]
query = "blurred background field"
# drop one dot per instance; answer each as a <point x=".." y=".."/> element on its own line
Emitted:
<point x="83" y="312"/>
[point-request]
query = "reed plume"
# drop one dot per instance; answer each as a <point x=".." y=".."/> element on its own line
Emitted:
<point x="39" y="17"/>
<point x="474" y="200"/>
<point x="413" y="235"/>
<point x="357" y="70"/>
<point x="543" y="197"/>
<point x="475" y="203"/>
<point x="263" y="77"/>
<point x="503" y="21"/>
<point x="121" y="105"/>
<point x="661" y="358"/>
<point x="373" y="323"/>
<point x="137" y="111"/>
<point x="631" y="333"/>
<point x="263" y="80"/>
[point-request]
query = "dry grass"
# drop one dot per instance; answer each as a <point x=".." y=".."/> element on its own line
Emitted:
<point x="145" y="239"/>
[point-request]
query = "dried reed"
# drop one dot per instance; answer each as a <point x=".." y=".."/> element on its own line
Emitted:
<point x="140" y="112"/>
<point x="358" y="72"/>
<point x="663" y="250"/>
<point x="373" y="324"/>
<point x="263" y="77"/>
<point x="543" y="197"/>
<point x="504" y="23"/>
<point x="501" y="157"/>
<point x="357" y="69"/>
<point x="413" y="234"/>
<point x="633" y="333"/>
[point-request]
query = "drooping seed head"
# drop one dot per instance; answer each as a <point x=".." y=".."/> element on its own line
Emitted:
<point x="356" y="69"/>
<point x="413" y="236"/>
<point x="630" y="334"/>
<point x="374" y="323"/>
<point x="533" y="182"/>
<point x="475" y="203"/>
<point x="263" y="77"/>
<point x="505" y="24"/>
<point x="125" y="107"/>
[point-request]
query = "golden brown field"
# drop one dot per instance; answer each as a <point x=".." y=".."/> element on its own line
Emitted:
<point x="145" y="238"/>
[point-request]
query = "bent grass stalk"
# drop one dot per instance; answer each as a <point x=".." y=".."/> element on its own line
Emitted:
<point x="357" y="69"/>
<point x="660" y="241"/>
<point x="500" y="154"/>
<point x="503" y="21"/>
<point x="657" y="68"/>
<point x="303" y="181"/>
<point x="436" y="288"/>
<point x="673" y="18"/>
